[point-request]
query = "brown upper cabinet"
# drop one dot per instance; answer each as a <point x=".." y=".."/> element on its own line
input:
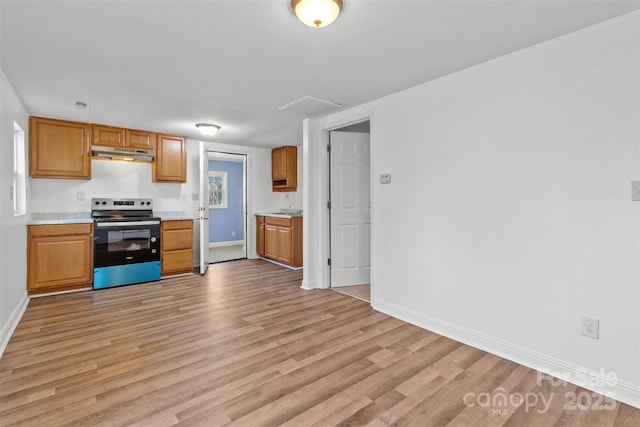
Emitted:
<point x="140" y="139"/>
<point x="59" y="149"/>
<point x="170" y="163"/>
<point x="107" y="136"/>
<point x="284" y="168"/>
<point x="110" y="136"/>
<point x="62" y="149"/>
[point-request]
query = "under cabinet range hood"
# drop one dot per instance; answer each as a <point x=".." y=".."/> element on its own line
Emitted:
<point x="122" y="153"/>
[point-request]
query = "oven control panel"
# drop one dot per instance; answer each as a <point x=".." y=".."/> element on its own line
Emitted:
<point x="121" y="204"/>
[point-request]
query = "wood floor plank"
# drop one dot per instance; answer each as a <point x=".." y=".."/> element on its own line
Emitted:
<point x="244" y="345"/>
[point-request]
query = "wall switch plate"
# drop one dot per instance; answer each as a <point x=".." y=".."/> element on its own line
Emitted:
<point x="385" y="178"/>
<point x="590" y="327"/>
<point x="635" y="191"/>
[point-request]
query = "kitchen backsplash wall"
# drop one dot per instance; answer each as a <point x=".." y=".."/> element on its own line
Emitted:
<point x="115" y="179"/>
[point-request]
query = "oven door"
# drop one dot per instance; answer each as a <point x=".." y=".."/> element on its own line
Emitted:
<point x="126" y="242"/>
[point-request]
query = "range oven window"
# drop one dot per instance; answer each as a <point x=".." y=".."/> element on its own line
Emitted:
<point x="128" y="240"/>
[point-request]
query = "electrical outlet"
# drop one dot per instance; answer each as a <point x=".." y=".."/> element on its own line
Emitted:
<point x="590" y="327"/>
<point x="81" y="195"/>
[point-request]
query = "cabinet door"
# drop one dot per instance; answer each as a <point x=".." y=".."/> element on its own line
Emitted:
<point x="107" y="136"/>
<point x="170" y="163"/>
<point x="177" y="261"/>
<point x="271" y="241"/>
<point x="284" y="168"/>
<point x="140" y="139"/>
<point x="279" y="164"/>
<point x="284" y="244"/>
<point x="59" y="149"/>
<point x="260" y="235"/>
<point x="59" y="263"/>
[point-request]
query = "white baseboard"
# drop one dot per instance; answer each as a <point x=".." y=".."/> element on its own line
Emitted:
<point x="229" y="243"/>
<point x="60" y="292"/>
<point x="620" y="390"/>
<point x="12" y="322"/>
<point x="307" y="285"/>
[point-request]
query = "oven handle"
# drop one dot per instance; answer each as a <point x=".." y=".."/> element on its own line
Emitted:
<point x="126" y="223"/>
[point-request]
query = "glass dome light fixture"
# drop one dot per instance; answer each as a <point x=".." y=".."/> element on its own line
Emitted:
<point x="207" y="129"/>
<point x="316" y="13"/>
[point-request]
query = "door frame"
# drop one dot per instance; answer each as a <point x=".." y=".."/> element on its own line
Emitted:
<point x="315" y="136"/>
<point x="234" y="157"/>
<point x="229" y="149"/>
<point x="329" y="198"/>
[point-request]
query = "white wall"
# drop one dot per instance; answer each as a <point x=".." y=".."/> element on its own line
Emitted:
<point x="13" y="231"/>
<point x="509" y="215"/>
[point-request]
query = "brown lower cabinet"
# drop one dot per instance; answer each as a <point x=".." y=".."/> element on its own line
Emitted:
<point x="280" y="239"/>
<point x="177" y="246"/>
<point x="59" y="257"/>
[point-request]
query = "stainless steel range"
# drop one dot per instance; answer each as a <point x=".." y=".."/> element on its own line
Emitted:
<point x="126" y="242"/>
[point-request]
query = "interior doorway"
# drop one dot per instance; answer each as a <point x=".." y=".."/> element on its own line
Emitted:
<point x="227" y="210"/>
<point x="350" y="209"/>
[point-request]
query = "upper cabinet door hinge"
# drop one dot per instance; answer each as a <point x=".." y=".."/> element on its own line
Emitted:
<point x="328" y="148"/>
<point x="328" y="205"/>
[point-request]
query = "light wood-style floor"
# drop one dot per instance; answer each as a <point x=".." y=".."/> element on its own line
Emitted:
<point x="245" y="346"/>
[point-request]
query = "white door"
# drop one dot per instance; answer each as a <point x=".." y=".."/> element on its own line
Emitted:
<point x="350" y="209"/>
<point x="203" y="209"/>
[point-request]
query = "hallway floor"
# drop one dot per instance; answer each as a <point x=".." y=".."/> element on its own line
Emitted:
<point x="226" y="253"/>
<point x="362" y="292"/>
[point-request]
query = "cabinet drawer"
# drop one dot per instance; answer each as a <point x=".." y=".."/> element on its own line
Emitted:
<point x="176" y="261"/>
<point x="59" y="229"/>
<point x="177" y="239"/>
<point x="282" y="222"/>
<point x="177" y="224"/>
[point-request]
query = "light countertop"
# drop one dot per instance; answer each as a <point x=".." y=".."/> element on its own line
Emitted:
<point x="38" y="218"/>
<point x="43" y="218"/>
<point x="170" y="215"/>
<point x="278" y="214"/>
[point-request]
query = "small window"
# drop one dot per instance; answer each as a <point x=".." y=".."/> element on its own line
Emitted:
<point x="19" y="188"/>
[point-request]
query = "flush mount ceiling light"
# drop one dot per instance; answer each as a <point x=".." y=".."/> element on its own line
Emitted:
<point x="207" y="129"/>
<point x="316" y="13"/>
